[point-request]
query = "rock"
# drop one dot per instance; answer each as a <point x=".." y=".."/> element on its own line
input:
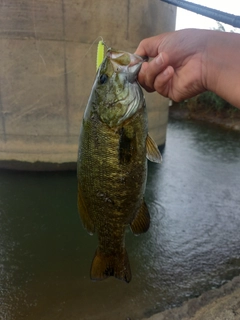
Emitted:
<point x="217" y="304"/>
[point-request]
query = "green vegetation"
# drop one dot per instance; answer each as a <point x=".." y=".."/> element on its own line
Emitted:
<point x="209" y="101"/>
<point x="213" y="101"/>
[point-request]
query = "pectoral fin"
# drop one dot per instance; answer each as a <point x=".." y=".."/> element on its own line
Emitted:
<point x="86" y="220"/>
<point x="153" y="154"/>
<point x="142" y="220"/>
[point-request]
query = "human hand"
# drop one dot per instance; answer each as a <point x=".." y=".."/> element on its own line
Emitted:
<point x="177" y="68"/>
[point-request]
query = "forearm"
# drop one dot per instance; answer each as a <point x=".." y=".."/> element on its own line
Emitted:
<point x="221" y="66"/>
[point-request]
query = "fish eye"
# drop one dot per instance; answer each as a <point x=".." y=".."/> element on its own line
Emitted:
<point x="103" y="78"/>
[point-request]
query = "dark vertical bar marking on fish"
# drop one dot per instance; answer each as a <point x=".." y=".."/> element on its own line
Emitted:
<point x="125" y="147"/>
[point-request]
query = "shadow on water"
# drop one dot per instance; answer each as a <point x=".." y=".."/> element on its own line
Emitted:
<point x="193" y="244"/>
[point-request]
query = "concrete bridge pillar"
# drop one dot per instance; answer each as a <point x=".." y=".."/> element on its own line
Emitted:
<point x="47" y="67"/>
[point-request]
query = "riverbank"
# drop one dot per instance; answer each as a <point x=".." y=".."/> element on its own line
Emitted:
<point x="227" y="119"/>
<point x="218" y="304"/>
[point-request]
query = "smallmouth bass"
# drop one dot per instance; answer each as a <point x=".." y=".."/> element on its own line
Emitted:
<point x="112" y="162"/>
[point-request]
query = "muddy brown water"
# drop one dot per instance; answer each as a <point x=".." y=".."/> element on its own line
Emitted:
<point x="193" y="244"/>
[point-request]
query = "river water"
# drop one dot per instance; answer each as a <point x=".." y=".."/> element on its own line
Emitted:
<point x="193" y="244"/>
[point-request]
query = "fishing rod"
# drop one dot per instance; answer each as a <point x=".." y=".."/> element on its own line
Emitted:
<point x="218" y="15"/>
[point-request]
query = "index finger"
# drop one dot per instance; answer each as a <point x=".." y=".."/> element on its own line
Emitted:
<point x="149" y="47"/>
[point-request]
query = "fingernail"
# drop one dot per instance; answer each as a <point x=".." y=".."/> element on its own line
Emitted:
<point x="159" y="59"/>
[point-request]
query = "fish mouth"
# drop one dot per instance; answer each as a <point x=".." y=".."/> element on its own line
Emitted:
<point x="127" y="63"/>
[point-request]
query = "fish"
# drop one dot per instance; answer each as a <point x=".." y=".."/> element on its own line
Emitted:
<point x="114" y="146"/>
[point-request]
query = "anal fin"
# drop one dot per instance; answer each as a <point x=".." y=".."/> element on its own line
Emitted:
<point x="104" y="266"/>
<point x="141" y="222"/>
<point x="153" y="154"/>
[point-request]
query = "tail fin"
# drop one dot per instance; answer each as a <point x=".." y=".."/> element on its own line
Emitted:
<point x="104" y="266"/>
